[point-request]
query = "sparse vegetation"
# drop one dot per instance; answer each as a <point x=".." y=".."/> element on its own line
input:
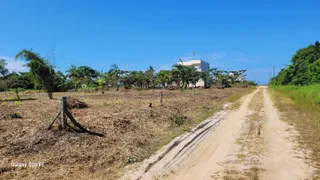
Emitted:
<point x="134" y="123"/>
<point x="133" y="130"/>
<point x="178" y="119"/>
<point x="251" y="146"/>
<point x="299" y="106"/>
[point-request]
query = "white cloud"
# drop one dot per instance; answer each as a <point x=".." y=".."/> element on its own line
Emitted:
<point x="14" y="65"/>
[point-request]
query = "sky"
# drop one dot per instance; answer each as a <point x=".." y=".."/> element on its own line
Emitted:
<point x="135" y="34"/>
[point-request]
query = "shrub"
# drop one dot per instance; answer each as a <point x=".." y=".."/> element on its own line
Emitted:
<point x="178" y="119"/>
<point x="13" y="116"/>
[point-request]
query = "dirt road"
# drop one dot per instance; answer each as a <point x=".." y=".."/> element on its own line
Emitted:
<point x="248" y="143"/>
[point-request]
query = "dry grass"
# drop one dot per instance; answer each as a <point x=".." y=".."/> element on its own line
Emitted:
<point x="306" y="119"/>
<point x="246" y="164"/>
<point x="133" y="131"/>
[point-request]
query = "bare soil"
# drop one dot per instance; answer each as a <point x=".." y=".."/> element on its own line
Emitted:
<point x="248" y="143"/>
<point x="133" y="131"/>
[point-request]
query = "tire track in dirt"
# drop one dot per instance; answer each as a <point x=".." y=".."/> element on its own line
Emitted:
<point x="217" y="141"/>
<point x="281" y="160"/>
<point x="245" y="163"/>
<point x="248" y="143"/>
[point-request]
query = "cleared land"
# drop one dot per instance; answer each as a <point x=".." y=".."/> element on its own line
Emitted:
<point x="133" y="130"/>
<point x="249" y="143"/>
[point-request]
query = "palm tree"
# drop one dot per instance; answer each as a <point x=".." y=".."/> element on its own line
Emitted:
<point x="150" y="76"/>
<point x="127" y="79"/>
<point x="139" y="78"/>
<point x="101" y="83"/>
<point x="192" y="76"/>
<point x="115" y="75"/>
<point x="74" y="75"/>
<point x="40" y="68"/>
<point x="164" y="77"/>
<point x="179" y="75"/>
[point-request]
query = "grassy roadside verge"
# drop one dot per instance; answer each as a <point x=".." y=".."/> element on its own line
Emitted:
<point x="300" y="106"/>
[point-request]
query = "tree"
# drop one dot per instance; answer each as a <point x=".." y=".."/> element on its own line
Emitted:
<point x="164" y="77"/>
<point x="115" y="75"/>
<point x="3" y="73"/>
<point x="139" y="78"/>
<point x="27" y="79"/>
<point x="61" y="82"/>
<point x="314" y="72"/>
<point x="3" y="70"/>
<point x="127" y="79"/>
<point x="179" y="75"/>
<point x="150" y="77"/>
<point x="40" y="69"/>
<point x="16" y="81"/>
<point x="304" y="68"/>
<point x="192" y="76"/>
<point x="75" y="75"/>
<point x="82" y="75"/>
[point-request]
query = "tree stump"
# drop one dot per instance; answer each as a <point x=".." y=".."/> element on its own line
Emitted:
<point x="62" y="107"/>
<point x="63" y="116"/>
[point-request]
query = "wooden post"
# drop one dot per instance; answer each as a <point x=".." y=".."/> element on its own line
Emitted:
<point x="64" y="114"/>
<point x="63" y="119"/>
<point x="161" y="97"/>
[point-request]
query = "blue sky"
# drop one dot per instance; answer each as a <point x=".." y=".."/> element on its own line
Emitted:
<point x="230" y="35"/>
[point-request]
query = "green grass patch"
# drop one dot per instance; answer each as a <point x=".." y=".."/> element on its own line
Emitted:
<point x="301" y="94"/>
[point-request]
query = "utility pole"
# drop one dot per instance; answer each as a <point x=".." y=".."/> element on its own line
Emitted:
<point x="274" y="71"/>
<point x="53" y="54"/>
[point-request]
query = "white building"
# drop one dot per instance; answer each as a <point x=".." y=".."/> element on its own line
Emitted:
<point x="200" y="65"/>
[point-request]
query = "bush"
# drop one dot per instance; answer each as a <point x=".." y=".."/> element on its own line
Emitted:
<point x="3" y="85"/>
<point x="178" y="119"/>
<point x="13" y="116"/>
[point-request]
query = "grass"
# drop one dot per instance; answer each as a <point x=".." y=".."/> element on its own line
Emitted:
<point x="133" y="131"/>
<point x="299" y="106"/>
<point x="301" y="94"/>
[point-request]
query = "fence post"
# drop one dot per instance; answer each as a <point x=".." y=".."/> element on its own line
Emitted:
<point x="161" y="97"/>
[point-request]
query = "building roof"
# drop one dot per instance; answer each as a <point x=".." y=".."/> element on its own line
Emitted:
<point x="192" y="62"/>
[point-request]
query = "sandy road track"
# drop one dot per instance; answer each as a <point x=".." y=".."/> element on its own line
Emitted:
<point x="248" y="143"/>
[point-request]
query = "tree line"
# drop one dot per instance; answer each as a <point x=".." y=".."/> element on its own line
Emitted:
<point x="42" y="75"/>
<point x="304" y="68"/>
